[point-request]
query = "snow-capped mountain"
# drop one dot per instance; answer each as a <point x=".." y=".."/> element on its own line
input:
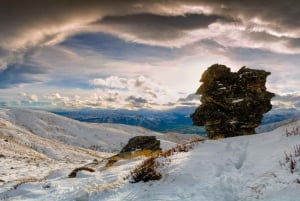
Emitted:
<point x="257" y="167"/>
<point x="173" y="120"/>
<point x="100" y="137"/>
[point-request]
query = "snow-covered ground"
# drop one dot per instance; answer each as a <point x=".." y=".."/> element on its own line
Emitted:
<point x="100" y="137"/>
<point x="234" y="169"/>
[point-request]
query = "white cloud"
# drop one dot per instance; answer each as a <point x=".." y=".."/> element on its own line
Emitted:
<point x="140" y="84"/>
<point x="111" y="82"/>
<point x="115" y="92"/>
<point x="28" y="97"/>
<point x="33" y="98"/>
<point x="291" y="100"/>
<point x="57" y="99"/>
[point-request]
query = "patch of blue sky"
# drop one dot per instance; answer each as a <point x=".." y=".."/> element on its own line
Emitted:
<point x="118" y="49"/>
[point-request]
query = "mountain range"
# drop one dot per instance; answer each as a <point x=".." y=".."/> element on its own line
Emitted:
<point x="173" y="120"/>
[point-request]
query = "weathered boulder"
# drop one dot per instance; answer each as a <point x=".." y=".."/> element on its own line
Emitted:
<point x="233" y="103"/>
<point x="141" y="143"/>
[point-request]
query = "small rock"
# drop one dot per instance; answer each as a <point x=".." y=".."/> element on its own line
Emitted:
<point x="141" y="143"/>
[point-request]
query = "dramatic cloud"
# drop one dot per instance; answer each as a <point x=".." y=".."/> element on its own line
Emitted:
<point x="160" y="30"/>
<point x="24" y="24"/>
<point x="115" y="48"/>
<point x="140" y="83"/>
<point x="136" y="102"/>
<point x="111" y="82"/>
<point x="160" y="22"/>
<point x="16" y="74"/>
<point x="287" y="101"/>
<point x="101" y="48"/>
<point x="148" y="89"/>
<point x="190" y="100"/>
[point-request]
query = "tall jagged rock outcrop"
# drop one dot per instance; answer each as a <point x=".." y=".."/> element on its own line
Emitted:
<point x="233" y="103"/>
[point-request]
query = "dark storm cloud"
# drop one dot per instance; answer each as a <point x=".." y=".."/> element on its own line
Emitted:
<point x="15" y="13"/>
<point x="136" y="102"/>
<point x="136" y="24"/>
<point x="294" y="43"/>
<point x="16" y="74"/>
<point x="161" y="26"/>
<point x="190" y="100"/>
<point x="278" y="14"/>
<point x="31" y="22"/>
<point x="151" y="21"/>
<point x="17" y="17"/>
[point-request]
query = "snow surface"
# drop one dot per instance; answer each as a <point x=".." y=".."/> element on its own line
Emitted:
<point x="100" y="137"/>
<point x="242" y="168"/>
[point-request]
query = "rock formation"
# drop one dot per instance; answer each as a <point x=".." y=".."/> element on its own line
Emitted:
<point x="233" y="103"/>
<point x="140" y="143"/>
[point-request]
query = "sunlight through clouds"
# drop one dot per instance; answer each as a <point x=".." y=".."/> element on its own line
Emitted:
<point x="140" y="53"/>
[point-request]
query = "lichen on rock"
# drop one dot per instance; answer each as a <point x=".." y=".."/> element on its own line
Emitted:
<point x="233" y="103"/>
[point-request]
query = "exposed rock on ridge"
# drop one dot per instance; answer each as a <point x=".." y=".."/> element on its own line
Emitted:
<point x="141" y="143"/>
<point x="233" y="103"/>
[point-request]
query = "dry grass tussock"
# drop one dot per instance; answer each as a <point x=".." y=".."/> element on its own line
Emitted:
<point x="27" y="180"/>
<point x="131" y="155"/>
<point x="293" y="131"/>
<point x="291" y="159"/>
<point x="149" y="153"/>
<point x="297" y="150"/>
<point x="146" y="171"/>
<point x="182" y="147"/>
<point x="74" y="172"/>
<point x="149" y="169"/>
<point x="291" y="162"/>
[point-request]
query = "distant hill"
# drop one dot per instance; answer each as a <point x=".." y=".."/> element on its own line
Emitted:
<point x="31" y="127"/>
<point x="173" y="120"/>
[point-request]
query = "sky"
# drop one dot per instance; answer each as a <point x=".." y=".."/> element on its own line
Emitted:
<point x="141" y="54"/>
